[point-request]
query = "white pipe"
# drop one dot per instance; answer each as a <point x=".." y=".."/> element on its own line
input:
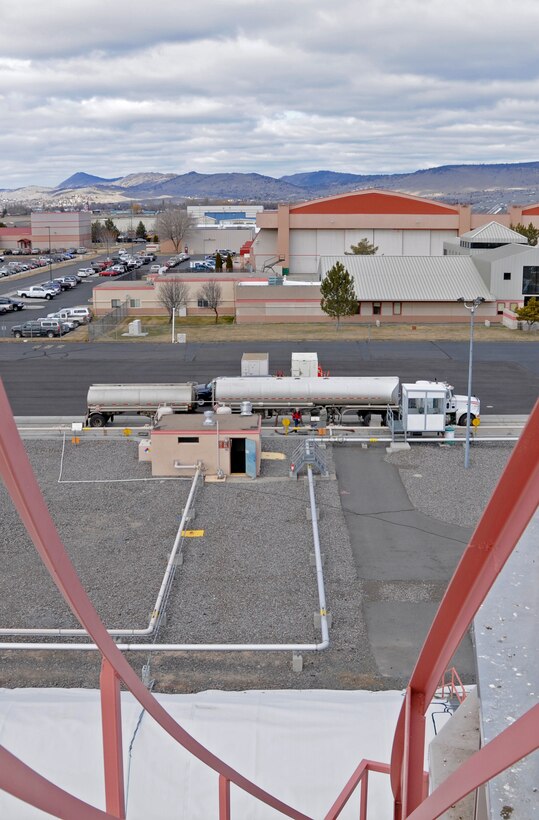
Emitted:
<point x="318" y="560"/>
<point x="174" y="647"/>
<point x="213" y="647"/>
<point x="160" y="595"/>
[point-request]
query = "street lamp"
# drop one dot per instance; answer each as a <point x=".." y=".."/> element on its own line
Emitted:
<point x="472" y="307"/>
<point x="50" y="254"/>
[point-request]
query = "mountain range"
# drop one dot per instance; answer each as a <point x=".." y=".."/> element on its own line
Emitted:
<point x="487" y="187"/>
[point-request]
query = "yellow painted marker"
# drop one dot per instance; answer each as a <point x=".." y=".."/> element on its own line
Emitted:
<point x="192" y="533"/>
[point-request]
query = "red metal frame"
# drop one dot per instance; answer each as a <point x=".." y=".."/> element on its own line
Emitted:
<point x="512" y="505"/>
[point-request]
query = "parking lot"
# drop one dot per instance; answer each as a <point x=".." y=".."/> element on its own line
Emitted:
<point x="39" y="308"/>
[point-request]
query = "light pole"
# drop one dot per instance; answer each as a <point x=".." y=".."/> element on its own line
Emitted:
<point x="50" y="257"/>
<point x="472" y="307"/>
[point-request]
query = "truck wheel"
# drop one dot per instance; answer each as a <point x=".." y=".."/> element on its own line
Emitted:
<point x="366" y="420"/>
<point x="98" y="420"/>
<point x="18" y="334"/>
<point x="48" y="296"/>
<point x="50" y="334"/>
<point x="463" y="419"/>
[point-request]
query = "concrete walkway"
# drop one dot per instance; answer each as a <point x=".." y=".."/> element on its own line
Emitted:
<point x="404" y="560"/>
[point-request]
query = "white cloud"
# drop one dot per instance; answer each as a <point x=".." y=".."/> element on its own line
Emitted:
<point x="279" y="87"/>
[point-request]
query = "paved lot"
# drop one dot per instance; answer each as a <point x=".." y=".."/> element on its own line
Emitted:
<point x="249" y="578"/>
<point x="53" y="378"/>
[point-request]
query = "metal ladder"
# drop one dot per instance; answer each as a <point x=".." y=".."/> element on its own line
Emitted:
<point x="309" y="453"/>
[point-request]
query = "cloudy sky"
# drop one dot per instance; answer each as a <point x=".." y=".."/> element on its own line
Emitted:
<point x="270" y="86"/>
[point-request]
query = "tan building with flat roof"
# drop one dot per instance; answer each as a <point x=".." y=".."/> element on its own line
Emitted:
<point x="229" y="445"/>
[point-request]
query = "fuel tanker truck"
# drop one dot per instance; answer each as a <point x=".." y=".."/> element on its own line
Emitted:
<point x="338" y="396"/>
<point x="108" y="400"/>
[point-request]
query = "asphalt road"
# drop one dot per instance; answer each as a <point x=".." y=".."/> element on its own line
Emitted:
<point x="52" y="378"/>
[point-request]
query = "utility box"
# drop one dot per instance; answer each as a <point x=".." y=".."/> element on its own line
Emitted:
<point x="255" y="364"/>
<point x="304" y="365"/>
<point x="424" y="407"/>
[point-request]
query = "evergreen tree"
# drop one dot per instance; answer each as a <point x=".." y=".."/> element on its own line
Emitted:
<point x="529" y="313"/>
<point x="531" y="233"/>
<point x="363" y="248"/>
<point x="338" y="294"/>
<point x="140" y="233"/>
<point x="218" y="263"/>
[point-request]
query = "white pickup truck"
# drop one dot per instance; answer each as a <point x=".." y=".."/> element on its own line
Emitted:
<point x="36" y="292"/>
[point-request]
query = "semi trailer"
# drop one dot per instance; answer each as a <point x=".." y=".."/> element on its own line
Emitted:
<point x="105" y="401"/>
<point x="338" y="396"/>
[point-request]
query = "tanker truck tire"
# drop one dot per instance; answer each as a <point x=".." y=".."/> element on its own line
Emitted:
<point x="463" y="419"/>
<point x="98" y="420"/>
<point x="365" y="420"/>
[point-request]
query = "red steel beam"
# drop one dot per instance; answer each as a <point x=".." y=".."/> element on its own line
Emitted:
<point x="224" y="798"/>
<point x="22" y="782"/>
<point x="111" y="724"/>
<point x="515" y="742"/>
<point x="359" y="773"/>
<point x="505" y="518"/>
<point x="22" y="485"/>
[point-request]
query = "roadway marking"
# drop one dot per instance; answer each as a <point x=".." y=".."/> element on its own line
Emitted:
<point x="192" y="533"/>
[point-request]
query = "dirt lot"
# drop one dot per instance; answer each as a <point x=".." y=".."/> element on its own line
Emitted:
<point x="205" y="329"/>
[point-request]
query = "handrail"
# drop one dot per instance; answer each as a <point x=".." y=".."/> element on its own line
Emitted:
<point x="511" y="506"/>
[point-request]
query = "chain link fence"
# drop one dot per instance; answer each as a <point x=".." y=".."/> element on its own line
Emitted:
<point x="107" y="324"/>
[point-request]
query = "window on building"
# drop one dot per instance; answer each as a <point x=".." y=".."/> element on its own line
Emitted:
<point x="530" y="279"/>
<point x="397" y="308"/>
<point x="188" y="439"/>
<point x="507" y="275"/>
<point x="500" y="307"/>
<point x="115" y="303"/>
<point x="359" y="308"/>
<point x="435" y="406"/>
<point x="202" y="303"/>
<point x="134" y="303"/>
<point x="376" y="308"/>
<point x="416" y="406"/>
<point x="513" y="305"/>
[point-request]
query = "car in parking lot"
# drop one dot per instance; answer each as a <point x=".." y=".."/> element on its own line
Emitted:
<point x="35" y="328"/>
<point x="7" y="303"/>
<point x="50" y="284"/>
<point x="65" y="316"/>
<point x="84" y="272"/>
<point x="65" y="282"/>
<point x="36" y="292"/>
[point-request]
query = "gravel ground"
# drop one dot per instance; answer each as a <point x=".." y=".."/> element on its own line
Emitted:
<point x="438" y="485"/>
<point x="248" y="579"/>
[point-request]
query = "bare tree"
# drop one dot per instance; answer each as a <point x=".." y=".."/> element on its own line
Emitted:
<point x="211" y="293"/>
<point x="174" y="224"/>
<point x="172" y="294"/>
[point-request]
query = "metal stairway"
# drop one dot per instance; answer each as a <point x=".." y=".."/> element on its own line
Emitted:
<point x="308" y="453"/>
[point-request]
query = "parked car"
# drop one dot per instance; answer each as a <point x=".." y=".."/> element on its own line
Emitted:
<point x="15" y="304"/>
<point x="65" y="316"/>
<point x="35" y="328"/>
<point x="81" y="251"/>
<point x="84" y="272"/>
<point x="52" y="324"/>
<point x="110" y="272"/>
<point x="50" y="284"/>
<point x="82" y="313"/>
<point x="36" y="292"/>
<point x="64" y="283"/>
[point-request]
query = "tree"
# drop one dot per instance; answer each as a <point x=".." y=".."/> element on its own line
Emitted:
<point x="97" y="227"/>
<point x="111" y="227"/>
<point x="218" y="262"/>
<point x="174" y="224"/>
<point x="211" y="293"/>
<point x="140" y="233"/>
<point x="338" y="294"/>
<point x="363" y="248"/>
<point x="173" y="294"/>
<point x="531" y="233"/>
<point x="229" y="263"/>
<point x="529" y="313"/>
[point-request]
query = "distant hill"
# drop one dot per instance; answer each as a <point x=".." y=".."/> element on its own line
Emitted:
<point x="488" y="188"/>
<point x="82" y="180"/>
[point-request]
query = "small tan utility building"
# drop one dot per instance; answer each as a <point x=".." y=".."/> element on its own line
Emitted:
<point x="224" y="444"/>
